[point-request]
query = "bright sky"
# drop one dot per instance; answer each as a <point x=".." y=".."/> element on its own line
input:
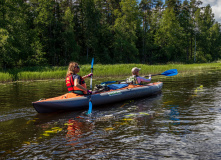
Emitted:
<point x="215" y="5"/>
<point x="216" y="8"/>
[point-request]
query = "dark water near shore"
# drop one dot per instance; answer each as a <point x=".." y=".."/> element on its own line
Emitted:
<point x="182" y="122"/>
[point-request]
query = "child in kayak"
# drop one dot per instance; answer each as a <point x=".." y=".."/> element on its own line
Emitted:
<point x="135" y="78"/>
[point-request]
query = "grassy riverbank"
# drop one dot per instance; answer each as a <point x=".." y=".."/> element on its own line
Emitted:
<point x="117" y="70"/>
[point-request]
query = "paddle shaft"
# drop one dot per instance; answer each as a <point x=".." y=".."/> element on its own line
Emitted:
<point x="90" y="101"/>
<point x="91" y="79"/>
<point x="153" y="75"/>
<point x="171" y="72"/>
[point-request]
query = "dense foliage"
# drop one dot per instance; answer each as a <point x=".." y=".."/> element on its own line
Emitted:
<point x="54" y="32"/>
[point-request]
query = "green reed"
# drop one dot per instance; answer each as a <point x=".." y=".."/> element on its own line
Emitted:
<point x="116" y="70"/>
<point x="5" y="77"/>
<point x="125" y="69"/>
<point x="41" y="75"/>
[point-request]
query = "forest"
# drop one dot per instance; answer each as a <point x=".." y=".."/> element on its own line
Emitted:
<point x="55" y="32"/>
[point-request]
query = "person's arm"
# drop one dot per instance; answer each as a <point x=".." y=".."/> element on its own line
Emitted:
<point x="90" y="74"/>
<point x="76" y="84"/>
<point x="142" y="79"/>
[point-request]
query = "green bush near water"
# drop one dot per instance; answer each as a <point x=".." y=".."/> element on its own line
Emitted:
<point x="117" y="70"/>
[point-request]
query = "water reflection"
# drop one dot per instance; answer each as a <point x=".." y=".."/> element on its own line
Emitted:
<point x="183" y="122"/>
<point x="76" y="128"/>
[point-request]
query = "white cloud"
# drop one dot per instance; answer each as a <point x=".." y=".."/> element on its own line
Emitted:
<point x="216" y="8"/>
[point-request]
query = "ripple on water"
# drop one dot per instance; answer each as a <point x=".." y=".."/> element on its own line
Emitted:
<point x="180" y="123"/>
<point x="17" y="113"/>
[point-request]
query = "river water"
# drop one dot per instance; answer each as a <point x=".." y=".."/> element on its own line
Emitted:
<point x="181" y="122"/>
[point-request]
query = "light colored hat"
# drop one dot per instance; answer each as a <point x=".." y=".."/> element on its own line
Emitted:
<point x="135" y="69"/>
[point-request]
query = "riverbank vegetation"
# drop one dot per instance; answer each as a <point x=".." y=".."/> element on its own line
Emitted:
<point x="55" y="32"/>
<point x="117" y="70"/>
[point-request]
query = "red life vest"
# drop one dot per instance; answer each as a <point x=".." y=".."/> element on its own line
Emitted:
<point x="70" y="83"/>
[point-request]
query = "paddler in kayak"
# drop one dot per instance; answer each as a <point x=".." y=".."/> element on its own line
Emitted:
<point x="74" y="82"/>
<point x="135" y="78"/>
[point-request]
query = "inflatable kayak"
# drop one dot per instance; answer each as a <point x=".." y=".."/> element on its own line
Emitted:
<point x="72" y="101"/>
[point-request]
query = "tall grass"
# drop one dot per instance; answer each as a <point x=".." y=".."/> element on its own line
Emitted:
<point x="41" y="73"/>
<point x="5" y="77"/>
<point x="125" y="69"/>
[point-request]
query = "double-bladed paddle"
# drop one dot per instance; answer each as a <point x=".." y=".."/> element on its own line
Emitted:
<point x="90" y="101"/>
<point x="171" y="72"/>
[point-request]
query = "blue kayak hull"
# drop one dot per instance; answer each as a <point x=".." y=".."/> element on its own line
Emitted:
<point x="82" y="102"/>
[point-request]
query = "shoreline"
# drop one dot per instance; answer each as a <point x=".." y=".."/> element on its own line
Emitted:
<point x="101" y="71"/>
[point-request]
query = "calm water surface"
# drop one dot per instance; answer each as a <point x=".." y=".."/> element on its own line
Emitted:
<point x="182" y="122"/>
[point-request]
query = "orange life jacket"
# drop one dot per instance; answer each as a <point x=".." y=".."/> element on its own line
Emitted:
<point x="70" y="83"/>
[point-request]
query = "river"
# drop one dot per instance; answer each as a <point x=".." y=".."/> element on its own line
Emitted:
<point x="181" y="122"/>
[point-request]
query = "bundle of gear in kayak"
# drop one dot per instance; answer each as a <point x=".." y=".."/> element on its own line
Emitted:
<point x="101" y="88"/>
